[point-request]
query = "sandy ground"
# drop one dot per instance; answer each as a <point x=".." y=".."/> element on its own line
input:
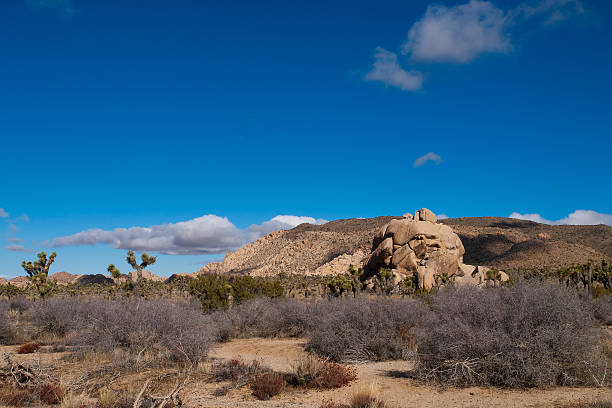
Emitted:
<point x="278" y="354"/>
<point x="399" y="392"/>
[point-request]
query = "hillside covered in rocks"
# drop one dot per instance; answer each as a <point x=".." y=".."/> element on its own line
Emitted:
<point x="503" y="243"/>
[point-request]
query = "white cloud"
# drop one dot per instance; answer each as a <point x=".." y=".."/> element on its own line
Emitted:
<point x="431" y="156"/>
<point x="15" y="240"/>
<point x="458" y="34"/>
<point x="208" y="234"/>
<point x="17" y="248"/>
<point x="388" y="71"/>
<point x="3" y="214"/>
<point x="578" y="217"/>
<point x="280" y="222"/>
<point x="442" y="216"/>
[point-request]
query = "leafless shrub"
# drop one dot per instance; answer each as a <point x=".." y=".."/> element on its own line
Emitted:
<point x="360" y="329"/>
<point x="58" y="316"/>
<point x="134" y="332"/>
<point x="7" y="334"/>
<point x="264" y="317"/>
<point x="524" y="335"/>
<point x="238" y="372"/>
<point x="20" y="304"/>
<point x="602" y="309"/>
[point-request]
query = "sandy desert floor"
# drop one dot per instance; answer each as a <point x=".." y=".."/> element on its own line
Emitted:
<point x="385" y="377"/>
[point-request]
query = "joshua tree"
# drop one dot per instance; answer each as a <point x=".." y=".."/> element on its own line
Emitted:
<point x="146" y="261"/>
<point x="355" y="275"/>
<point x="38" y="271"/>
<point x="114" y="271"/>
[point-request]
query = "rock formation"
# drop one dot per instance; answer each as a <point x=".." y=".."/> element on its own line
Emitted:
<point x="418" y="246"/>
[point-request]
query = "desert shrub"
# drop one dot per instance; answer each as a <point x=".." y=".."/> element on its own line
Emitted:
<point x="247" y="287"/>
<point x="112" y="399"/>
<point x="16" y="397"/>
<point x="50" y="394"/>
<point x="71" y="400"/>
<point x="312" y="372"/>
<point x="264" y="317"/>
<point x="20" y="303"/>
<point x="164" y="329"/>
<point x="305" y="370"/>
<point x="267" y="385"/>
<point x="59" y="315"/>
<point x="523" y="335"/>
<point x="361" y="399"/>
<point x="214" y="290"/>
<point x="333" y="404"/>
<point x="237" y="371"/>
<point x="360" y="329"/>
<point x="7" y="334"/>
<point x="132" y="331"/>
<point x="366" y="399"/>
<point x="28" y="348"/>
<point x="335" y="375"/>
<point x="602" y="309"/>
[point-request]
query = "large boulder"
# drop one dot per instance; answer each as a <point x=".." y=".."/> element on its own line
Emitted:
<point x="418" y="246"/>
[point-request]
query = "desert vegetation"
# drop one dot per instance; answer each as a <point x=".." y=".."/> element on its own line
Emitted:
<point x="533" y="332"/>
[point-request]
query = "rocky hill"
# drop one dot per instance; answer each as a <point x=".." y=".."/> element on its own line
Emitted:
<point x="503" y="243"/>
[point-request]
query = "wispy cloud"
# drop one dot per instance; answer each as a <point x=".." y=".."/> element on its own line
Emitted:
<point x="209" y="234"/>
<point x="17" y="248"/>
<point x="431" y="156"/>
<point x="23" y="217"/>
<point x="3" y="214"/>
<point x="388" y="71"/>
<point x="578" y="217"/>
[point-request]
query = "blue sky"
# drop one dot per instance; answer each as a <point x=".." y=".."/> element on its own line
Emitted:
<point x="205" y="120"/>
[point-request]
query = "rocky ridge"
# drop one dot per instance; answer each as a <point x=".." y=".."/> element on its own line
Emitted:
<point x="498" y="242"/>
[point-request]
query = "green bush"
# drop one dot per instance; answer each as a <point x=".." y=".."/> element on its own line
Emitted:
<point x="214" y="290"/>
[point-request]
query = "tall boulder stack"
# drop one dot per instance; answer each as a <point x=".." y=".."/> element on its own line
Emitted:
<point x="418" y="246"/>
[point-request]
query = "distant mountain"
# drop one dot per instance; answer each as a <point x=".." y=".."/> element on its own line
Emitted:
<point x="503" y="243"/>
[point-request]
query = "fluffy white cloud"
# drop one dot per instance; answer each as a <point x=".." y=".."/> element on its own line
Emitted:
<point x="462" y="33"/>
<point x="458" y="34"/>
<point x="442" y="216"/>
<point x="3" y="214"/>
<point x="17" y="248"/>
<point x="388" y="71"/>
<point x="431" y="156"/>
<point x="578" y="217"/>
<point x="208" y="234"/>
